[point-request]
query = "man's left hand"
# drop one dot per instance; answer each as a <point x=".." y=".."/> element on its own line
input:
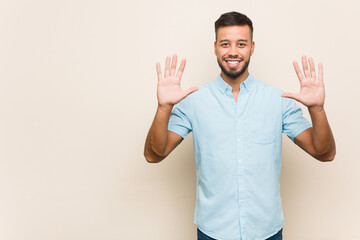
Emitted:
<point x="312" y="91"/>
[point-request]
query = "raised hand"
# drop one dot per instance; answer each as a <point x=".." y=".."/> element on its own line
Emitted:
<point x="169" y="91"/>
<point x="312" y="91"/>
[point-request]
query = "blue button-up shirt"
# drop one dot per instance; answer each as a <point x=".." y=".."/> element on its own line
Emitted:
<point x="237" y="147"/>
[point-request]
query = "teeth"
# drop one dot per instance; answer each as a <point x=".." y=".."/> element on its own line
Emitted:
<point x="233" y="62"/>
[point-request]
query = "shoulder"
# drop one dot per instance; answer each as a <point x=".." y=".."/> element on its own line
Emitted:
<point x="275" y="94"/>
<point x="272" y="95"/>
<point x="266" y="92"/>
<point x="205" y="90"/>
<point x="267" y="88"/>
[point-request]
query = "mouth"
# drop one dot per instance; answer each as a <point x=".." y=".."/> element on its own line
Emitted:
<point x="232" y="62"/>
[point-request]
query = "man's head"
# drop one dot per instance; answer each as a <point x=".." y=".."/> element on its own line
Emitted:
<point x="233" y="45"/>
<point x="233" y="19"/>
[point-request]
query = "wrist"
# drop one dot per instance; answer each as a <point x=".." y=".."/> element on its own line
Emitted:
<point x="165" y="107"/>
<point x="316" y="109"/>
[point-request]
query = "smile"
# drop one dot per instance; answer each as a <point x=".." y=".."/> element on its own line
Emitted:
<point x="232" y="63"/>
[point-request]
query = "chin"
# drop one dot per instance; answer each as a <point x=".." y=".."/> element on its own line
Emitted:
<point x="233" y="74"/>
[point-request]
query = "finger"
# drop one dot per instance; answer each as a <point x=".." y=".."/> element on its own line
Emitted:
<point x="321" y="72"/>
<point x="158" y="70"/>
<point x="298" y="71"/>
<point x="173" y="65"/>
<point x="181" y="69"/>
<point x="291" y="95"/>
<point x="189" y="91"/>
<point x="167" y="66"/>
<point x="305" y="66"/>
<point x="312" y="68"/>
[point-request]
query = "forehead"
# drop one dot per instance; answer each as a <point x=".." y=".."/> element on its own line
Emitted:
<point x="234" y="33"/>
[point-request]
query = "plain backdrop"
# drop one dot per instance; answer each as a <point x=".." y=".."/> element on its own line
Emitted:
<point x="78" y="95"/>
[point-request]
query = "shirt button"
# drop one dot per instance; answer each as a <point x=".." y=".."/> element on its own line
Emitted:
<point x="239" y="160"/>
<point x="238" y="140"/>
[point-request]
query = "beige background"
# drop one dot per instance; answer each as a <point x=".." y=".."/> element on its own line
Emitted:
<point x="78" y="94"/>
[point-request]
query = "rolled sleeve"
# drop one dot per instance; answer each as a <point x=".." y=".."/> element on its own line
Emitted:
<point x="179" y="122"/>
<point x="294" y="122"/>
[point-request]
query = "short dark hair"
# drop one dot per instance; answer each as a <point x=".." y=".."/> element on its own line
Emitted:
<point x="233" y="19"/>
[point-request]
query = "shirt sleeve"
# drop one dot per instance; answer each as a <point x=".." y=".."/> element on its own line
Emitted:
<point x="293" y="122"/>
<point x="179" y="122"/>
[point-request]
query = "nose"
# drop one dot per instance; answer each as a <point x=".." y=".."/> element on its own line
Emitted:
<point x="233" y="51"/>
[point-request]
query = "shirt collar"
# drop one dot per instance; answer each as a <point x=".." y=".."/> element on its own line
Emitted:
<point x="248" y="84"/>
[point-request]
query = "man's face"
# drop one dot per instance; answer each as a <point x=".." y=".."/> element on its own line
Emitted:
<point x="233" y="49"/>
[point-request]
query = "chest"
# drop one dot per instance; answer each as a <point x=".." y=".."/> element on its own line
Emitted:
<point x="252" y="115"/>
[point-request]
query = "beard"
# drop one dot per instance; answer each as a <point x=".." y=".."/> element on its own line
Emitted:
<point x="234" y="74"/>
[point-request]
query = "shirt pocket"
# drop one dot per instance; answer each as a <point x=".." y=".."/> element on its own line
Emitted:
<point x="263" y="131"/>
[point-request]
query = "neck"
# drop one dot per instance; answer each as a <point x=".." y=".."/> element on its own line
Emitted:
<point x="235" y="82"/>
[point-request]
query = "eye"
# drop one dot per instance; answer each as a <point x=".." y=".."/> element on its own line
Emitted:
<point x="224" y="44"/>
<point x="241" y="44"/>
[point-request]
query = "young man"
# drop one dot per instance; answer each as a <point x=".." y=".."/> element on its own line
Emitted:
<point x="237" y="123"/>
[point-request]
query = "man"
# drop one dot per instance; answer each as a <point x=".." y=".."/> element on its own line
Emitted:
<point x="237" y="123"/>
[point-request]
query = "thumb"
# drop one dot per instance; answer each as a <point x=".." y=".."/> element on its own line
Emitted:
<point x="291" y="95"/>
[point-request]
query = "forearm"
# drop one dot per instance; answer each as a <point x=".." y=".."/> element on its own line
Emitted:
<point x="156" y="140"/>
<point x="322" y="138"/>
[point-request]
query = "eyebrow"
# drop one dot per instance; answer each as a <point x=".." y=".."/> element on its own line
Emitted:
<point x="240" y="40"/>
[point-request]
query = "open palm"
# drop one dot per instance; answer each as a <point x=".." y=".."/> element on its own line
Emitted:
<point x="312" y="91"/>
<point x="169" y="91"/>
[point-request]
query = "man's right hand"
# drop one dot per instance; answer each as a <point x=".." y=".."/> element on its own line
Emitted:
<point x="169" y="91"/>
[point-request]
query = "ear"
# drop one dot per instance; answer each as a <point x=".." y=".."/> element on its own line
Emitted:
<point x="215" y="48"/>
<point x="252" y="47"/>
